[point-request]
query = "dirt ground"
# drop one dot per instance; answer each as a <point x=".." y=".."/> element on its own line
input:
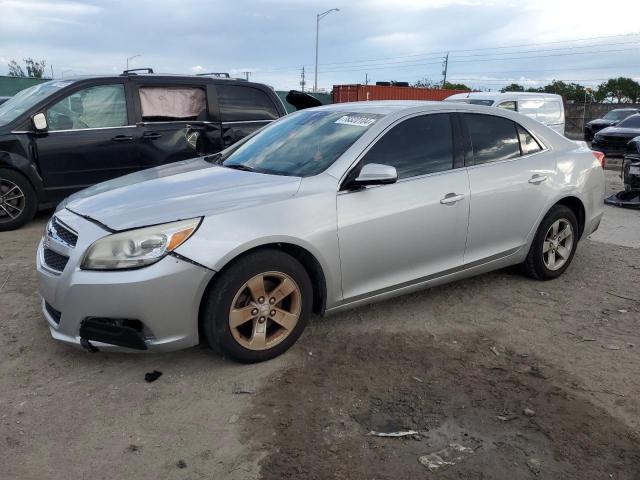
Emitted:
<point x="499" y="377"/>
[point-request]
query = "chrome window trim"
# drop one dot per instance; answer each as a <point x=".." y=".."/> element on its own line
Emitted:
<point x="145" y="123"/>
<point x="87" y="129"/>
<point x="249" y="121"/>
<point x="424" y="176"/>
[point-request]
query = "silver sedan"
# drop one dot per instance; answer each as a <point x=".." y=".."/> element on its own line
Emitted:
<point x="322" y="210"/>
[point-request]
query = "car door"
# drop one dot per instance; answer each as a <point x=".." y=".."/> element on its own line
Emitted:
<point x="174" y="121"/>
<point x="243" y="110"/>
<point x="88" y="139"/>
<point x="510" y="176"/>
<point x="396" y="234"/>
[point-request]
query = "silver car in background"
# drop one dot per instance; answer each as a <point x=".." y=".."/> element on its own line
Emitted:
<point x="325" y="209"/>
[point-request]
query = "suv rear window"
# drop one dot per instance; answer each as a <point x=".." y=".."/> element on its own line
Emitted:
<point x="239" y="103"/>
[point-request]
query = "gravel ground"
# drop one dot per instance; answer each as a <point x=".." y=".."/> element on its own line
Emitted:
<point x="525" y="379"/>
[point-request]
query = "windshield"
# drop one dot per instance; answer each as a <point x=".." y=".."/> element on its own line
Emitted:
<point x="24" y="100"/>
<point x="302" y="144"/>
<point x="473" y="101"/>
<point x="618" y="114"/>
<point x="631" y="122"/>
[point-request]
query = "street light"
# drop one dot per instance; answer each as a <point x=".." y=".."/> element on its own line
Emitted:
<point x="319" y="17"/>
<point x="131" y="58"/>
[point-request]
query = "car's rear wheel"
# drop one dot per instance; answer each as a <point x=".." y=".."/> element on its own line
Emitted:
<point x="258" y="306"/>
<point x="18" y="202"/>
<point x="554" y="245"/>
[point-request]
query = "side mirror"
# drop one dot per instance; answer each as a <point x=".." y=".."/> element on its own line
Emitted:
<point x="39" y="122"/>
<point x="373" y="174"/>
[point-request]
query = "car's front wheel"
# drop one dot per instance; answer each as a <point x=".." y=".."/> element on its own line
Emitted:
<point x="18" y="202"/>
<point x="258" y="306"/>
<point x="554" y="245"/>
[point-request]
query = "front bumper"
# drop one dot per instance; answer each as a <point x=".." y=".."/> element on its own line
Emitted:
<point x="163" y="297"/>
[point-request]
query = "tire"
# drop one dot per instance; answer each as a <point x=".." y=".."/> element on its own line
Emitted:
<point x="279" y="273"/>
<point x="539" y="264"/>
<point x="18" y="201"/>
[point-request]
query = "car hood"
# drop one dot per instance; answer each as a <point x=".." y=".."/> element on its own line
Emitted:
<point x="180" y="190"/>
<point x="601" y="122"/>
<point x="619" y="132"/>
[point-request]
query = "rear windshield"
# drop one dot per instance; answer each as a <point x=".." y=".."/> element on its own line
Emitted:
<point x="473" y="101"/>
<point x="631" y="122"/>
<point x="24" y="100"/>
<point x="301" y="144"/>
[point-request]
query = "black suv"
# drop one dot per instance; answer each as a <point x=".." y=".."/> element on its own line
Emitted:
<point x="610" y="119"/>
<point x="60" y="136"/>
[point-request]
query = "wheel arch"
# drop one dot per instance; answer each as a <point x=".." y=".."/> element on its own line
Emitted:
<point x="309" y="261"/>
<point x="577" y="207"/>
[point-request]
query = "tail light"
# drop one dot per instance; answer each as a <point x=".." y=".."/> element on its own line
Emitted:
<point x="600" y="157"/>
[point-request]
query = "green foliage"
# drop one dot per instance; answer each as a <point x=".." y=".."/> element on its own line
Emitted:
<point x="514" y="87"/>
<point x="455" y="86"/>
<point x="34" y="69"/>
<point x="620" y="90"/>
<point x="426" y="83"/>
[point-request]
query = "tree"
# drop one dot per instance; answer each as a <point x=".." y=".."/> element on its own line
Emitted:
<point x="425" y="83"/>
<point x="621" y="89"/>
<point x="455" y="86"/>
<point x="34" y="69"/>
<point x="514" y="87"/>
<point x="573" y="92"/>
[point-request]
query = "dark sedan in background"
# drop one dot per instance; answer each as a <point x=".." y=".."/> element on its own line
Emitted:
<point x="612" y="118"/>
<point x="614" y="140"/>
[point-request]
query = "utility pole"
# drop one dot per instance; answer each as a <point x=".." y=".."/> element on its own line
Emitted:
<point x="445" y="65"/>
<point x="51" y="71"/>
<point x="246" y="75"/>
<point x="319" y="17"/>
<point x="366" y="79"/>
<point x="302" y="80"/>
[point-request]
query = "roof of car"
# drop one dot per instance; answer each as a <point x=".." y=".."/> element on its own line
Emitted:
<point x="383" y="107"/>
<point x="176" y="76"/>
<point x="500" y="95"/>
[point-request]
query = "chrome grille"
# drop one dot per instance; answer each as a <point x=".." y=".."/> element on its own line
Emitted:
<point x="54" y="260"/>
<point x="64" y="233"/>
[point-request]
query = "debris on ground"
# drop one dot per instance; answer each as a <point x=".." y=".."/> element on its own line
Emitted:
<point x="417" y="379"/>
<point x="534" y="465"/>
<point x="134" y="448"/>
<point x="238" y="389"/>
<point x="234" y="418"/>
<point x="506" y="418"/>
<point x="544" y="294"/>
<point x="181" y="464"/>
<point x="495" y="351"/>
<point x="404" y="433"/>
<point x="529" y="412"/>
<point x="152" y="376"/>
<point x="448" y="456"/>
<point x="611" y="347"/>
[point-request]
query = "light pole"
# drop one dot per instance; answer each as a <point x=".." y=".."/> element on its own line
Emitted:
<point x="319" y="17"/>
<point x="131" y="58"/>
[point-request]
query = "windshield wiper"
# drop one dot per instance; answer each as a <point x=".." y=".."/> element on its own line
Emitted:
<point x="244" y="168"/>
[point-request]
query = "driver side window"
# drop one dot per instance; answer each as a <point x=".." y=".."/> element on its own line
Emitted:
<point x="101" y="106"/>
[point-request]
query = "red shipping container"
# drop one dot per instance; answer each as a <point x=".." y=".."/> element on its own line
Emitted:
<point x="363" y="93"/>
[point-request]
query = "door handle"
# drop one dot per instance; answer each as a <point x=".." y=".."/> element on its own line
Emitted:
<point x="151" y="135"/>
<point x="537" y="179"/>
<point x="451" y="198"/>
<point x="122" y="138"/>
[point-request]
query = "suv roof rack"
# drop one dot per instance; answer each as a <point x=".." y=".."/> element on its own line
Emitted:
<point x="133" y="70"/>
<point x="214" y="74"/>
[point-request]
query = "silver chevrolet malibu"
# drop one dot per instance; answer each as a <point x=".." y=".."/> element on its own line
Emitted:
<point x="325" y="209"/>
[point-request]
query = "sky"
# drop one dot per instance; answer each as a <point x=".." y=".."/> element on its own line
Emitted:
<point x="490" y="43"/>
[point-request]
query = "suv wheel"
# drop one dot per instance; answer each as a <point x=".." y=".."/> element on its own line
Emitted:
<point x="554" y="245"/>
<point x="258" y="307"/>
<point x="18" y="203"/>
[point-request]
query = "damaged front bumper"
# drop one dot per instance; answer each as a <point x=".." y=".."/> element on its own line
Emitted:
<point x="154" y="308"/>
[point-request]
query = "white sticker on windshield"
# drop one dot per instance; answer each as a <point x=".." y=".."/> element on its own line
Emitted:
<point x="355" y="120"/>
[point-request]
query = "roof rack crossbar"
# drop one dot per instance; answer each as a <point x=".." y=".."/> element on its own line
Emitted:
<point x="214" y="74"/>
<point x="133" y="70"/>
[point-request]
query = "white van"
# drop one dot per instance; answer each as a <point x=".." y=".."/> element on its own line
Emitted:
<point x="547" y="108"/>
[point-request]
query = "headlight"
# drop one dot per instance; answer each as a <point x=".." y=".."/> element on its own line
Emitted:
<point x="138" y="248"/>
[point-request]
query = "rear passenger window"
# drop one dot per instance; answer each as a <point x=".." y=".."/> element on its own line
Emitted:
<point x="239" y="103"/>
<point x="416" y="146"/>
<point x="493" y="138"/>
<point x="527" y="142"/>
<point x="166" y="104"/>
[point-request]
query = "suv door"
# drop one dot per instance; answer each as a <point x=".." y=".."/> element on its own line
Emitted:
<point x="243" y="110"/>
<point x="175" y="121"/>
<point x="415" y="228"/>
<point x="510" y="176"/>
<point x="88" y="140"/>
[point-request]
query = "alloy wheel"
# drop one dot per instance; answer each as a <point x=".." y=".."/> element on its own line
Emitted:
<point x="558" y="244"/>
<point x="12" y="201"/>
<point x="265" y="310"/>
